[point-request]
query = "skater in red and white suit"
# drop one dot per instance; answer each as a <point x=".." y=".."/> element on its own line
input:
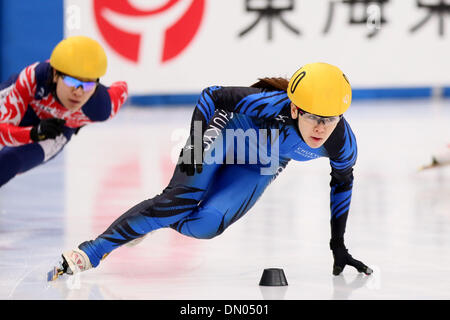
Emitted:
<point x="43" y="106"/>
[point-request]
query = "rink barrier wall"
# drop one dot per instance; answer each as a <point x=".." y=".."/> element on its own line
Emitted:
<point x="358" y="94"/>
<point x="446" y="92"/>
<point x="29" y="30"/>
<point x="47" y="22"/>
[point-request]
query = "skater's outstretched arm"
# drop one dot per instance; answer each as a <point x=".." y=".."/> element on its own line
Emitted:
<point x="343" y="153"/>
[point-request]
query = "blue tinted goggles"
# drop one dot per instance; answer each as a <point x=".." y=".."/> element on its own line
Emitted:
<point x="75" y="83"/>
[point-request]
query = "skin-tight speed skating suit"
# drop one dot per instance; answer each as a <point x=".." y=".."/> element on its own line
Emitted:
<point x="28" y="98"/>
<point x="205" y="204"/>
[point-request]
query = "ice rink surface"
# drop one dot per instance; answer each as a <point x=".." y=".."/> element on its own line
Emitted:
<point x="399" y="221"/>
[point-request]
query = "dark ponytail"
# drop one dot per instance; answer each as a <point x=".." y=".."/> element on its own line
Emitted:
<point x="272" y="84"/>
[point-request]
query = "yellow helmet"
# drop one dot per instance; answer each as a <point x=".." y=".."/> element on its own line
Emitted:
<point x="321" y="89"/>
<point x="79" y="56"/>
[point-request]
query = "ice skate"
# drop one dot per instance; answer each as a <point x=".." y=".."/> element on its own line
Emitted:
<point x="73" y="261"/>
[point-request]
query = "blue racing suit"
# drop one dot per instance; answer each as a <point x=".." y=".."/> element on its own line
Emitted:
<point x="248" y="121"/>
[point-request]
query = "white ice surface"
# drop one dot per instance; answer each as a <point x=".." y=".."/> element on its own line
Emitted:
<point x="399" y="222"/>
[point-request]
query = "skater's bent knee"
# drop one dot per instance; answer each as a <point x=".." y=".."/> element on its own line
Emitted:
<point x="207" y="223"/>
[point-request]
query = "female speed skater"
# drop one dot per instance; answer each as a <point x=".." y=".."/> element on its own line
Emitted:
<point x="43" y="106"/>
<point x="215" y="184"/>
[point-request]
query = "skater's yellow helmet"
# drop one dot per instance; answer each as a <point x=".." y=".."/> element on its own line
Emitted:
<point x="321" y="89"/>
<point x="79" y="56"/>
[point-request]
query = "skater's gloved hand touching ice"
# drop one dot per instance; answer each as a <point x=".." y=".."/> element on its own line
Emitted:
<point x="47" y="129"/>
<point x="342" y="258"/>
<point x="191" y="159"/>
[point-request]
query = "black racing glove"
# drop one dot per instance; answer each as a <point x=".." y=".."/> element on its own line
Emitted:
<point x="191" y="160"/>
<point x="47" y="129"/>
<point x="343" y="258"/>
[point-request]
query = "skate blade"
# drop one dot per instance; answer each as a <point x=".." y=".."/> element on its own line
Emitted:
<point x="54" y="274"/>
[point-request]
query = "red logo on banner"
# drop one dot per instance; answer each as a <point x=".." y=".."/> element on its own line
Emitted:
<point x="176" y="37"/>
